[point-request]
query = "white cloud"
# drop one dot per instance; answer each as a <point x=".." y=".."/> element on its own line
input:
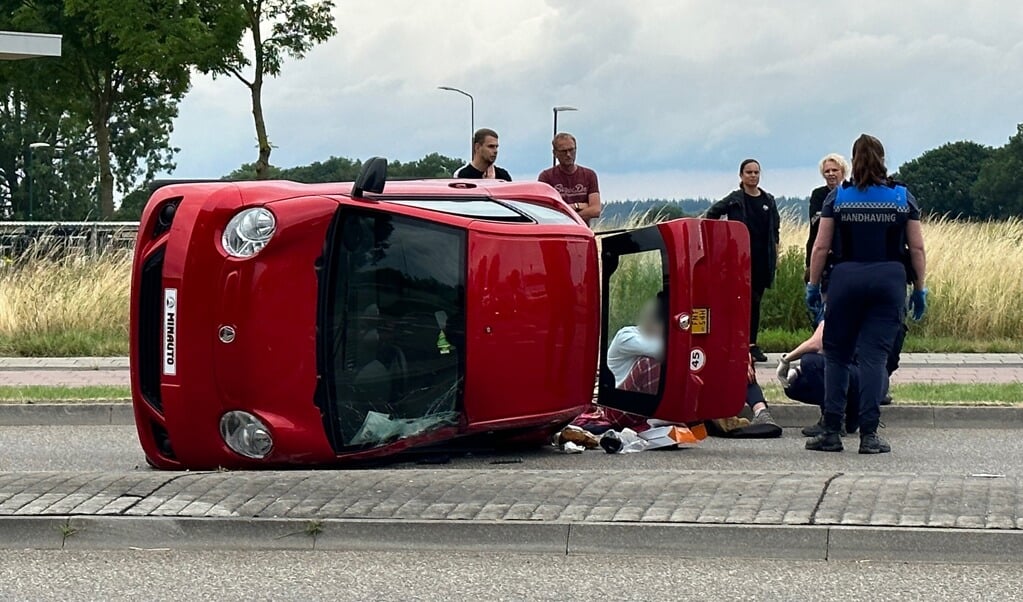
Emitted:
<point x="663" y="87"/>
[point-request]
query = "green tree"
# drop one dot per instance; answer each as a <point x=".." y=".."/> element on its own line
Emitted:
<point x="22" y="122"/>
<point x="125" y="66"/>
<point x="33" y="111"/>
<point x="295" y="26"/>
<point x="434" y="165"/>
<point x="334" y="169"/>
<point x="942" y="178"/>
<point x="999" y="185"/>
<point x="343" y="169"/>
<point x="132" y="204"/>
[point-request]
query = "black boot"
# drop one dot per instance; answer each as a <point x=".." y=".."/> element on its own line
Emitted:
<point x="817" y="428"/>
<point x="870" y="443"/>
<point x="814" y="429"/>
<point x="830" y="438"/>
<point x="830" y="441"/>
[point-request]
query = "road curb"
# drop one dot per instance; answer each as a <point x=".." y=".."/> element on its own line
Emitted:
<point x="76" y="364"/>
<point x="909" y="416"/>
<point x="779" y="542"/>
<point x="914" y="544"/>
<point x="67" y="413"/>
<point x="776" y="542"/>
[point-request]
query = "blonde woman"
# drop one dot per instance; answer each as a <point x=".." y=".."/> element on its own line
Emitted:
<point x="835" y="170"/>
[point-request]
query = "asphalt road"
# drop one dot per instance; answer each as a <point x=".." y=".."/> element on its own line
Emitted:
<point x="916" y="450"/>
<point x="163" y="575"/>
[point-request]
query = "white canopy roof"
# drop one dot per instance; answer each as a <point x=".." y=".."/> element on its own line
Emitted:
<point x="17" y="45"/>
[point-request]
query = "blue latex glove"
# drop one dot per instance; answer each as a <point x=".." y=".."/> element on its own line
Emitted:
<point x="814" y="303"/>
<point x="815" y="317"/>
<point x="918" y="304"/>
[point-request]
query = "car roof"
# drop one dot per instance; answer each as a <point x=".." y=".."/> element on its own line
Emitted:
<point x="438" y="187"/>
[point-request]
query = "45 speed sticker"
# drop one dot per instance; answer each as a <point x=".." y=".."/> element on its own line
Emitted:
<point x="697" y="359"/>
<point x="170" y="331"/>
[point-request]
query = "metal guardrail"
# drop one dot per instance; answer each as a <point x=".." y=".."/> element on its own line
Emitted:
<point x="17" y="238"/>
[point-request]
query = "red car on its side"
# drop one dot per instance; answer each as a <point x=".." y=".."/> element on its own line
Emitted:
<point x="276" y="323"/>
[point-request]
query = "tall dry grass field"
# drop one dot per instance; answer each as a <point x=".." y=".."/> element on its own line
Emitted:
<point x="974" y="275"/>
<point x="65" y="304"/>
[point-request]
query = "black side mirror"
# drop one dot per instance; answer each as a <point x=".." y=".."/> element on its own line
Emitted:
<point x="372" y="177"/>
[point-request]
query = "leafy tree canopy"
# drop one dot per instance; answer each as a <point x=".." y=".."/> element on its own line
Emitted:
<point x="942" y="178"/>
<point x="110" y="99"/>
<point x="276" y="28"/>
<point x="343" y="169"/>
<point x="999" y="187"/>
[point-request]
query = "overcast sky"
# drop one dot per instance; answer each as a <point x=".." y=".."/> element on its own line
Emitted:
<point x="672" y="94"/>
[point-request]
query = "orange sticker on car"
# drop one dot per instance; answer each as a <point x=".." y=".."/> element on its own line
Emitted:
<point x="701" y="320"/>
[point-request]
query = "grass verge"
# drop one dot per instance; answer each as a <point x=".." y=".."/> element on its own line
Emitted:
<point x="50" y="394"/>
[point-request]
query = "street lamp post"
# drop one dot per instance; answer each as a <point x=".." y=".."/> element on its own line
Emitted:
<point x="472" y="113"/>
<point x="557" y="110"/>
<point x="28" y="173"/>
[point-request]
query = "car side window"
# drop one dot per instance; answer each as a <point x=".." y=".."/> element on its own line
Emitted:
<point x="398" y="327"/>
<point x="637" y="310"/>
<point x="634" y="312"/>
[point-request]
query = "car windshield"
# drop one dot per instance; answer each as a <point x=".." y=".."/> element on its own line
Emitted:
<point x="396" y="328"/>
<point x="478" y="208"/>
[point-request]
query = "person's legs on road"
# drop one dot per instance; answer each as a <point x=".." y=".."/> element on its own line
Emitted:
<point x="756" y="296"/>
<point x="883" y="320"/>
<point x="842" y="322"/>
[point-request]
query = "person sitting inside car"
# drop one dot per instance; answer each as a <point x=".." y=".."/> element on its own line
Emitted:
<point x="644" y="340"/>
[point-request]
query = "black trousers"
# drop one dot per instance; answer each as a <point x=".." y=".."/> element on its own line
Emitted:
<point x="756" y="296"/>
<point x="863" y="318"/>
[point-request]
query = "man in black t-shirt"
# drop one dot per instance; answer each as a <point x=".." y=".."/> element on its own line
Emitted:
<point x="484" y="157"/>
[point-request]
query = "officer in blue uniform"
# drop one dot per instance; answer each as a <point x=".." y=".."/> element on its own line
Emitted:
<point x="868" y="224"/>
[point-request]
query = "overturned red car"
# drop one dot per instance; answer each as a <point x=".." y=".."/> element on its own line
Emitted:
<point x="276" y="323"/>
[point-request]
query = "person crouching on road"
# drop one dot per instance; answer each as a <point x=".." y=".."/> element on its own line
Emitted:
<point x="804" y="381"/>
<point x="867" y="224"/>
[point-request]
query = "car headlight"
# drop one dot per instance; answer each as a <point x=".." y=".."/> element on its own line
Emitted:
<point x="245" y="434"/>
<point x="248" y="232"/>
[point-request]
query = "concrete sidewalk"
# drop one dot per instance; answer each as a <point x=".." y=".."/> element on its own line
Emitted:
<point x="915" y="368"/>
<point x="803" y="515"/>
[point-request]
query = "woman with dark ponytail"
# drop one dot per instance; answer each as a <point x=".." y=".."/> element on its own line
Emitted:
<point x="868" y="225"/>
<point x="754" y="207"/>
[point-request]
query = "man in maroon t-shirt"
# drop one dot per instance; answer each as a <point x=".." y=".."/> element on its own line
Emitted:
<point x="576" y="184"/>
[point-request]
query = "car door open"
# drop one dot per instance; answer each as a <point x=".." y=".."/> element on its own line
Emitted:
<point x="675" y="318"/>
